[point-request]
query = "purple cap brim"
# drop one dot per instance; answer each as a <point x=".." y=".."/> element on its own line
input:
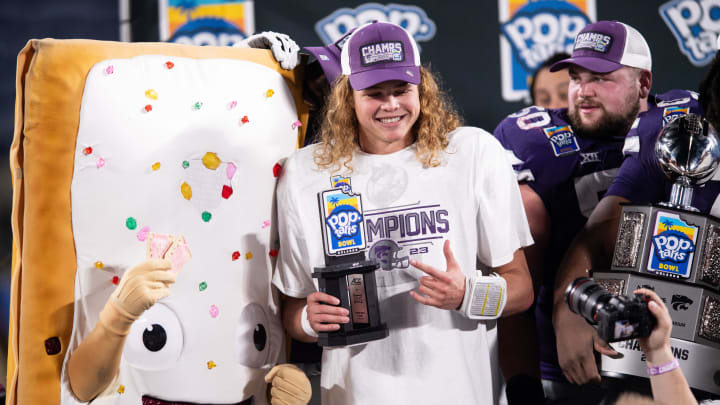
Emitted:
<point x="596" y="65"/>
<point x="329" y="61"/>
<point x="363" y="80"/>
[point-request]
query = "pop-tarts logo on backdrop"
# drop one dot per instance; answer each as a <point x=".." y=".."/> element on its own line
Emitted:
<point x="533" y="31"/>
<point x="673" y="246"/>
<point x="695" y="25"/>
<point x="206" y="22"/>
<point x="412" y="18"/>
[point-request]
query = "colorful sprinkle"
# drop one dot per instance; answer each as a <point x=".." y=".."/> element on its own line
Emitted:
<point x="151" y="94"/>
<point x="185" y="164"/>
<point x="131" y="223"/>
<point x="248" y="255"/>
<point x="266" y="223"/>
<point x="198" y="105"/>
<point x="148" y="108"/>
<point x="206" y="216"/>
<point x="203" y="286"/>
<point x="169" y="65"/>
<point x="245" y="119"/>
<point x="226" y="192"/>
<point x="110" y="70"/>
<point x="142" y="233"/>
<point x="230" y="171"/>
<point x="232" y="105"/>
<point x="214" y="311"/>
<point x="211" y="160"/>
<point x="211" y="365"/>
<point x="186" y="191"/>
<point x="273" y="253"/>
<point x="99" y="264"/>
<point x="277" y="169"/>
<point x="121" y="389"/>
<point x="100" y="163"/>
<point x="115" y="280"/>
<point x="88" y="150"/>
<point x="269" y="93"/>
<point x="235" y="255"/>
<point x="156" y="166"/>
<point x="296" y="124"/>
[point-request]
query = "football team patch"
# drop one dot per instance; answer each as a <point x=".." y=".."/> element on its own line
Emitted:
<point x="562" y="140"/>
<point x="670" y="113"/>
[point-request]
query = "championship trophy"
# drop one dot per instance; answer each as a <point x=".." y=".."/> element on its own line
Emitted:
<point x="347" y="275"/>
<point x="675" y="251"/>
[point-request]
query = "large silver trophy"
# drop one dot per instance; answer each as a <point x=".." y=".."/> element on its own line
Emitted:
<point x="675" y="251"/>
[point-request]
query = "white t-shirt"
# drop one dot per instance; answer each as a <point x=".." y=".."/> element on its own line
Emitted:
<point x="431" y="356"/>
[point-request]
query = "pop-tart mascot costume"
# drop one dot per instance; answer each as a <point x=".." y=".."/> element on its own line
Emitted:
<point x="144" y="237"/>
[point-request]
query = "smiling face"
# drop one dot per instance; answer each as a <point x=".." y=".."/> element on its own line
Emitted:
<point x="603" y="102"/>
<point x="386" y="114"/>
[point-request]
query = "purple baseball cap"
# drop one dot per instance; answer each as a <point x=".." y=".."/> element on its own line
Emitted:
<point x="606" y="46"/>
<point x="377" y="52"/>
<point x="329" y="56"/>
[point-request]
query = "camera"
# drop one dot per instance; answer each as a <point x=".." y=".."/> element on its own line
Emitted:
<point x="616" y="317"/>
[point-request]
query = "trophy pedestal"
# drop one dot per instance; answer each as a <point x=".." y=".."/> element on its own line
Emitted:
<point x="354" y="284"/>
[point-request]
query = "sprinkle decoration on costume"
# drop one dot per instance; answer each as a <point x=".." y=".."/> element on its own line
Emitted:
<point x="269" y="93"/>
<point x="151" y="94"/>
<point x="100" y="163"/>
<point x="232" y="105"/>
<point x="214" y="311"/>
<point x="99" y="265"/>
<point x="131" y="223"/>
<point x="206" y="216"/>
<point x="88" y="150"/>
<point x="277" y="169"/>
<point x="296" y="124"/>
<point x="185" y="164"/>
<point x="211" y="365"/>
<point x="148" y="108"/>
<point x="202" y="286"/>
<point x="115" y="280"/>
<point x="143" y="233"/>
<point x="169" y="65"/>
<point x="248" y="256"/>
<point x="110" y="70"/>
<point x="198" y="105"/>
<point x="186" y="191"/>
<point x="235" y="255"/>
<point x="156" y="166"/>
<point x="245" y="119"/>
<point x="121" y="389"/>
<point x="230" y="171"/>
<point x="273" y="252"/>
<point x="265" y="224"/>
<point x="211" y="160"/>
<point x="226" y="192"/>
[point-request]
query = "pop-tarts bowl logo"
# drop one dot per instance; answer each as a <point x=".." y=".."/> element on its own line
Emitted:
<point x="412" y="18"/>
<point x="345" y="229"/>
<point x="670" y="113"/>
<point x="594" y="41"/>
<point x="673" y="246"/>
<point x="562" y="140"/>
<point x="533" y="31"/>
<point x="381" y="52"/>
<point x="695" y="25"/>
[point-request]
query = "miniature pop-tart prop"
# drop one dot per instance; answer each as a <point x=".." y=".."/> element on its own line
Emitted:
<point x="123" y="151"/>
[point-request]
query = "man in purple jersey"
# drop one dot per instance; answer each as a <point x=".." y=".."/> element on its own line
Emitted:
<point x="565" y="160"/>
<point x="640" y="181"/>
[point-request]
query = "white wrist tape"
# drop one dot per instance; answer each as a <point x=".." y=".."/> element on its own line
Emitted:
<point x="485" y="297"/>
<point x="305" y="322"/>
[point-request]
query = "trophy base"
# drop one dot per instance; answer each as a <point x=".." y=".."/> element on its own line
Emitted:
<point x="365" y="335"/>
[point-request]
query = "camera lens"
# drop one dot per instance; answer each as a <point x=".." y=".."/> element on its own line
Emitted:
<point x="583" y="295"/>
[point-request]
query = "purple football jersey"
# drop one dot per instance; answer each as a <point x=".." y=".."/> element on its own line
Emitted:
<point x="570" y="174"/>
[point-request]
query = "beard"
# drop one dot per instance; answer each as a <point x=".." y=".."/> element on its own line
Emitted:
<point x="608" y="125"/>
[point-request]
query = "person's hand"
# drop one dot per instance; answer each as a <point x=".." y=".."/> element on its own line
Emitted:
<point x="324" y="317"/>
<point x="290" y="385"/>
<point x="143" y="285"/>
<point x="576" y="340"/>
<point x="442" y="289"/>
<point x="285" y="50"/>
<point x="657" y="346"/>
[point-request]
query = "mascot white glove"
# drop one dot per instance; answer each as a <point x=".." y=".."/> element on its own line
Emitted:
<point x="284" y="49"/>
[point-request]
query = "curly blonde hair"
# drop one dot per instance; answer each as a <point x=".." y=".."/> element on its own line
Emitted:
<point x="339" y="134"/>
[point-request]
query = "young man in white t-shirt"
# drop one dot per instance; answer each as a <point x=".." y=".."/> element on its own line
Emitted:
<point x="391" y="136"/>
